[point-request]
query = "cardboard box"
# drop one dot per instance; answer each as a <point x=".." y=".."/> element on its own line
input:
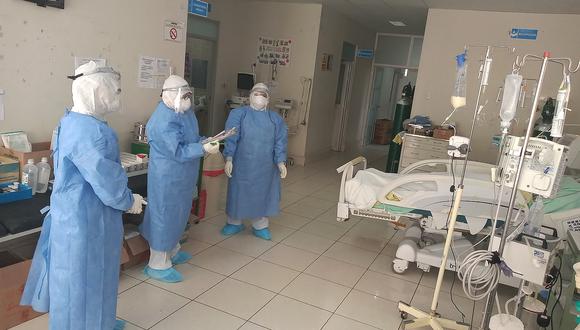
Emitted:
<point x="417" y="131"/>
<point x="383" y="131"/>
<point x="137" y="251"/>
<point x="124" y="255"/>
<point x="9" y="169"/>
<point x="39" y="150"/>
<point x="443" y="133"/>
<point x="13" y="279"/>
<point x="382" y="139"/>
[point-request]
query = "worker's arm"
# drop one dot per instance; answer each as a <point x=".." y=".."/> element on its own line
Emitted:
<point x="231" y="143"/>
<point x="170" y="143"/>
<point x="107" y="177"/>
<point x="281" y="144"/>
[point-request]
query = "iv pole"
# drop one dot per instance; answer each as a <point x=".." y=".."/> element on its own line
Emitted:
<point x="545" y="59"/>
<point x="433" y="319"/>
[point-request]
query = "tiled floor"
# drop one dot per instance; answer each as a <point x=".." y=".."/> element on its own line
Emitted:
<point x="316" y="273"/>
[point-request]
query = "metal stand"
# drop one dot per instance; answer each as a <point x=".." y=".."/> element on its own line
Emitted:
<point x="433" y="319"/>
<point x="545" y="59"/>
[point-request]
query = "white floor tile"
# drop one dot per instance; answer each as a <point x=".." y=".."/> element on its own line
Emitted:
<point x="325" y="230"/>
<point x="390" y="250"/>
<point x="290" y="220"/>
<point x="220" y="260"/>
<point x="424" y="296"/>
<point x="145" y="305"/>
<point x="130" y="326"/>
<point x="196" y="281"/>
<point x="338" y="322"/>
<point x="363" y="242"/>
<point x="329" y="194"/>
<point x="266" y="275"/>
<point x="196" y="316"/>
<point x="289" y="197"/>
<point x="283" y="313"/>
<point x="236" y="298"/>
<point x="429" y="279"/>
<point x="206" y="232"/>
<point x="317" y="292"/>
<point x="217" y="220"/>
<point x="304" y="187"/>
<point x="376" y="229"/>
<point x="252" y="326"/>
<point x="126" y="282"/>
<point x="371" y="310"/>
<point x="246" y="243"/>
<point x="37" y="323"/>
<point x="336" y="271"/>
<point x="137" y="272"/>
<point x="384" y="264"/>
<point x="290" y="257"/>
<point x="194" y="247"/>
<point x="308" y="242"/>
<point x="386" y="287"/>
<point x="309" y="207"/>
<point x="279" y="232"/>
<point x="351" y="254"/>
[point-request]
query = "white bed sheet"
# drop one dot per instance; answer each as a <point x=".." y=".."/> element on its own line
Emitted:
<point x="368" y="186"/>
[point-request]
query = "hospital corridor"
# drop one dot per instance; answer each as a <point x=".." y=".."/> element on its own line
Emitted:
<point x="289" y="165"/>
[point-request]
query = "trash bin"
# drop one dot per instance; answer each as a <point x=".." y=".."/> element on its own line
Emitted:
<point x="212" y="183"/>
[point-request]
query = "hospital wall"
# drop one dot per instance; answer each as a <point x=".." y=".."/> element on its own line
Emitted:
<point x="38" y="46"/>
<point x="334" y="29"/>
<point x="237" y="51"/>
<point x="446" y="34"/>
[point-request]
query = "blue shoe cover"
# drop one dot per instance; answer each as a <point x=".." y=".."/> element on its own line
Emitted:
<point x="263" y="233"/>
<point x="180" y="258"/>
<point x="119" y="325"/>
<point x="228" y="229"/>
<point x="167" y="275"/>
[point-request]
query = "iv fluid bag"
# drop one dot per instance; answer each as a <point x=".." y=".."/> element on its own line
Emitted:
<point x="559" y="114"/>
<point x="458" y="99"/>
<point x="511" y="93"/>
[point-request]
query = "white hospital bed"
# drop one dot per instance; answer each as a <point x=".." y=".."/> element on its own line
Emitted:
<point x="419" y="199"/>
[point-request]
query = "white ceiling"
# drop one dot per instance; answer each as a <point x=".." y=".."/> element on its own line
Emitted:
<point x="376" y="14"/>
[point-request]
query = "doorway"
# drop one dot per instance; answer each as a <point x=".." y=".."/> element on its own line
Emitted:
<point x="200" y="67"/>
<point x="386" y="90"/>
<point x="343" y="96"/>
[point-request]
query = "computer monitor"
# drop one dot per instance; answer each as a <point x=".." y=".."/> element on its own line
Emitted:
<point x="245" y="81"/>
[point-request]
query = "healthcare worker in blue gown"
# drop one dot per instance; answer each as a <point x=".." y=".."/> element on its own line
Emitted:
<point x="255" y="163"/>
<point x="75" y="271"/>
<point x="175" y="153"/>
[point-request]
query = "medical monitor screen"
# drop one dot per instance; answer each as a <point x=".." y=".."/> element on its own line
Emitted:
<point x="245" y="81"/>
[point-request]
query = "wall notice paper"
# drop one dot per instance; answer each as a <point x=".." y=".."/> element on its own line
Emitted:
<point x="1" y="104"/>
<point x="83" y="60"/>
<point x="153" y="71"/>
<point x="173" y="31"/>
<point x="274" y="51"/>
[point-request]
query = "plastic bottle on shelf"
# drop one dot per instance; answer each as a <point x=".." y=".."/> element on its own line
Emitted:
<point x="30" y="175"/>
<point x="43" y="175"/>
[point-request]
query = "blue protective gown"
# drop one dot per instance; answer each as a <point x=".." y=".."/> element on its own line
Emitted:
<point x="261" y="143"/>
<point x="175" y="152"/>
<point x="75" y="270"/>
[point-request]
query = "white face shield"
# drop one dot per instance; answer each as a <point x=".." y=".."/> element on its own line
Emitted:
<point x="177" y="94"/>
<point x="96" y="90"/>
<point x="259" y="97"/>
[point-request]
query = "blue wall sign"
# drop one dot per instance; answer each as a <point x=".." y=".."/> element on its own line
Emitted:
<point x="198" y="7"/>
<point x="365" y="53"/>
<point x="528" y="34"/>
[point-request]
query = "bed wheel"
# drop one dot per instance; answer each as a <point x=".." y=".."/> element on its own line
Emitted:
<point x="400" y="266"/>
